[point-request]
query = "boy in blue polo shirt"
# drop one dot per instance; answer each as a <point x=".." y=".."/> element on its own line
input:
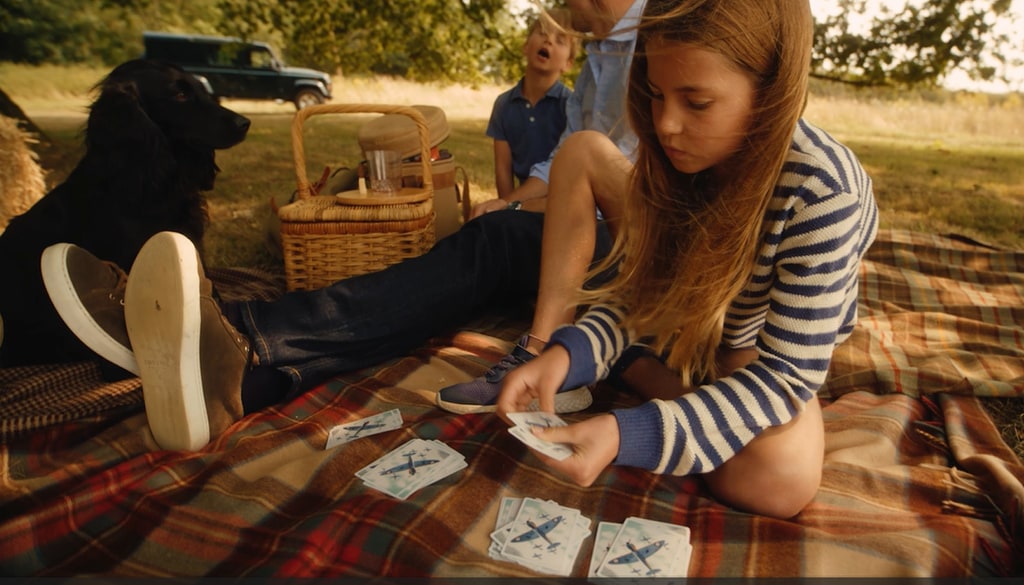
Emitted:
<point x="527" y="120"/>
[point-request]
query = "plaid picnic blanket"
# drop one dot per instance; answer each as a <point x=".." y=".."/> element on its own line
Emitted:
<point x="936" y="314"/>
<point x="916" y="482"/>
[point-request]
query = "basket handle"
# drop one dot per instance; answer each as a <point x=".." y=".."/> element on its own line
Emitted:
<point x="304" y="189"/>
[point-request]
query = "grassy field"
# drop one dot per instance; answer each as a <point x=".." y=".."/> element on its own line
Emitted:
<point x="940" y="163"/>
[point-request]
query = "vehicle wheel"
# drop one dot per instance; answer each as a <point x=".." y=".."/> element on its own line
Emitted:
<point x="308" y="97"/>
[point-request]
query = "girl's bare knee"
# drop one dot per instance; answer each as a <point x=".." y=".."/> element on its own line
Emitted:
<point x="778" y="473"/>
<point x="777" y="496"/>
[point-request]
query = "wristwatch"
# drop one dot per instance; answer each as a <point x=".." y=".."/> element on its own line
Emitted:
<point x="515" y="205"/>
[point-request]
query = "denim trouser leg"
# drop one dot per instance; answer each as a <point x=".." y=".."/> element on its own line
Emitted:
<point x="364" y="320"/>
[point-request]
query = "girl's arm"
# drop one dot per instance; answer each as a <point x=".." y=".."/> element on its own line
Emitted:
<point x="812" y="295"/>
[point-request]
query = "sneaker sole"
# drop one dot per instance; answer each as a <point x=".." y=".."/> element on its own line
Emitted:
<point x="565" y="402"/>
<point x="162" y="314"/>
<point x="53" y="266"/>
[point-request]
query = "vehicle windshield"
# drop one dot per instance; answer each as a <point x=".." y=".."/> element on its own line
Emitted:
<point x="263" y="58"/>
<point x="245" y="55"/>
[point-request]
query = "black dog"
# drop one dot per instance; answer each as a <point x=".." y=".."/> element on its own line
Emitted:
<point x="150" y="141"/>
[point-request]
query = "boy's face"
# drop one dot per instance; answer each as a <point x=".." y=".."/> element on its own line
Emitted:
<point x="548" y="49"/>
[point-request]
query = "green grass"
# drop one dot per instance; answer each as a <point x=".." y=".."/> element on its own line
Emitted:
<point x="975" y="191"/>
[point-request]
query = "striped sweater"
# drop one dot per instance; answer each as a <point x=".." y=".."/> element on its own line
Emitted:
<point x="800" y="303"/>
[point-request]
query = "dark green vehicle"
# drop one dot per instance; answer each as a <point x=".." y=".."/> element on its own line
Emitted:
<point x="233" y="68"/>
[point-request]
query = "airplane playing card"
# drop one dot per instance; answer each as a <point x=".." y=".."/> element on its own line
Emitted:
<point x="544" y="536"/>
<point x="364" y="427"/>
<point x="606" y="533"/>
<point x="507" y="512"/>
<point x="412" y="466"/>
<point x="647" y="548"/>
<point x="539" y="419"/>
<point x="523" y="430"/>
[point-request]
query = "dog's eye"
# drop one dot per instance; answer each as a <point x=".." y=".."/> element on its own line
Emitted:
<point x="181" y="96"/>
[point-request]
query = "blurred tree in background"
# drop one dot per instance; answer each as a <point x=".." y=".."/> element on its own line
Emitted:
<point x="423" y="40"/>
<point x="477" y="40"/>
<point x="104" y="32"/>
<point x="918" y="44"/>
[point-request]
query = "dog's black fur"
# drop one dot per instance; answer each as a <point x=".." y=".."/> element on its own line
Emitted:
<point x="149" y="154"/>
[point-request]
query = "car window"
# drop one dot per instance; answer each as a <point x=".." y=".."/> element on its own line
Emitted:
<point x="231" y="55"/>
<point x="261" y="58"/>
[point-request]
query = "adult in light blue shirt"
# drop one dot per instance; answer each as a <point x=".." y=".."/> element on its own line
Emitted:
<point x="598" y="101"/>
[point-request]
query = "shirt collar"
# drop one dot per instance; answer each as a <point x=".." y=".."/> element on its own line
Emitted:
<point x="625" y="29"/>
<point x="553" y="91"/>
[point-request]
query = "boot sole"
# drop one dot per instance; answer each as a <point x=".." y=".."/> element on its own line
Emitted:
<point x="565" y="402"/>
<point x="163" y="318"/>
<point x="54" y="268"/>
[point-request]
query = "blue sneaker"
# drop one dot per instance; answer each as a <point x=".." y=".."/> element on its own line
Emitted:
<point x="481" y="394"/>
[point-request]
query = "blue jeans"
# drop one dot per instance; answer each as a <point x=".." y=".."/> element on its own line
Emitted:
<point x="361" y="321"/>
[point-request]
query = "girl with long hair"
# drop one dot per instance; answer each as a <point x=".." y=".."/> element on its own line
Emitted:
<point x="738" y="239"/>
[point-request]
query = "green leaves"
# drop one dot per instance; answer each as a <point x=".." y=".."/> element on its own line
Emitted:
<point x="918" y="44"/>
<point x="422" y="40"/>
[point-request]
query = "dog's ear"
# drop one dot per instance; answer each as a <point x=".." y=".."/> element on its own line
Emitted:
<point x="117" y="121"/>
<point x="121" y="137"/>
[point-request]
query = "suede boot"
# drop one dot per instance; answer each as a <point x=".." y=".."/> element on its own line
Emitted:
<point x="190" y="358"/>
<point x="88" y="294"/>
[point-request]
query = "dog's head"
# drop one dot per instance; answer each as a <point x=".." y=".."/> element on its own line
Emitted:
<point x="174" y="101"/>
<point x="146" y="108"/>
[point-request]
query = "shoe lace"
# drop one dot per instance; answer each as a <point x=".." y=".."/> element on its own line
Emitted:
<point x="505" y="364"/>
<point x="116" y="293"/>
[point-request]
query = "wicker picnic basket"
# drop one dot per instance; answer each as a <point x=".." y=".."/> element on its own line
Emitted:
<point x="325" y="238"/>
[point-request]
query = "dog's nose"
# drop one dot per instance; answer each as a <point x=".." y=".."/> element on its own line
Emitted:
<point x="242" y="123"/>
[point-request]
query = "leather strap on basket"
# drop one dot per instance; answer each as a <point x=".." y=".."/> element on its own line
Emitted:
<point x="304" y="190"/>
<point x="463" y="194"/>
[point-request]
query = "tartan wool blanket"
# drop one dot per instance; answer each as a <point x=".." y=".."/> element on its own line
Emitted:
<point x="917" y="481"/>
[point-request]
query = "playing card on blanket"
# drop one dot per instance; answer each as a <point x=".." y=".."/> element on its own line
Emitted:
<point x="647" y="548"/>
<point x="606" y="533"/>
<point x="364" y="427"/>
<point x="413" y="465"/>
<point x="507" y="511"/>
<point x="545" y="537"/>
<point x="523" y="430"/>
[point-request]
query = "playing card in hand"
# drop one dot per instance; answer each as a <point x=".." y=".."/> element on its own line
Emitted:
<point x="543" y="420"/>
<point x="523" y="430"/>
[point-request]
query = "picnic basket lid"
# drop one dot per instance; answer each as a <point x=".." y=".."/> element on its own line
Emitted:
<point x="399" y="132"/>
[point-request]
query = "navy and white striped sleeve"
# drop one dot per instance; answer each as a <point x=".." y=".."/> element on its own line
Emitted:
<point x="816" y="268"/>
<point x="594" y="343"/>
<point x="823" y="219"/>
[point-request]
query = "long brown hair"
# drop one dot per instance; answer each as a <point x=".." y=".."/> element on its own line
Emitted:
<point x="686" y="244"/>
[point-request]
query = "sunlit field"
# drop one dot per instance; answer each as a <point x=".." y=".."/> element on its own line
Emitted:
<point x="941" y="162"/>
